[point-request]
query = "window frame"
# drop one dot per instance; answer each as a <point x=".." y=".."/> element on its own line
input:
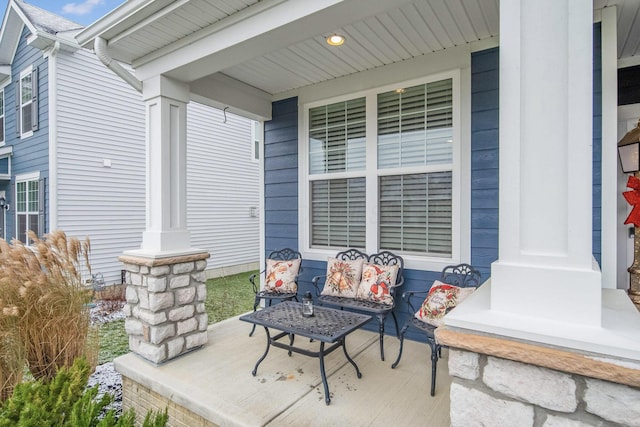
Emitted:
<point x="27" y="71"/>
<point x="256" y="140"/>
<point x="27" y="178"/>
<point x="460" y="238"/>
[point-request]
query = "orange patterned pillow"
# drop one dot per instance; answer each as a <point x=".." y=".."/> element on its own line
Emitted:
<point x="281" y="276"/>
<point x="442" y="298"/>
<point x="343" y="277"/>
<point x="376" y="282"/>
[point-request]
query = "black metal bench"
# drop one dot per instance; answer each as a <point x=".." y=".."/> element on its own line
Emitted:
<point x="463" y="276"/>
<point x="379" y="310"/>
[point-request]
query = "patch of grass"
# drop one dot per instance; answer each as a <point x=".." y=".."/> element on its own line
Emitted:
<point x="114" y="341"/>
<point x="226" y="297"/>
<point x="229" y="296"/>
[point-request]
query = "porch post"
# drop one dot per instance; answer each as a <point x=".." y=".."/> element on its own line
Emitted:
<point x="546" y="269"/>
<point x="166" y="104"/>
<point x="166" y="288"/>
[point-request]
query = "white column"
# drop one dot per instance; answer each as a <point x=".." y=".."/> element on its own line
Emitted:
<point x="546" y="269"/>
<point x="166" y="102"/>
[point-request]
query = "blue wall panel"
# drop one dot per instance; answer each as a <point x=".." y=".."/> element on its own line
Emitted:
<point x="484" y="159"/>
<point x="597" y="141"/>
<point x="281" y="176"/>
<point x="30" y="154"/>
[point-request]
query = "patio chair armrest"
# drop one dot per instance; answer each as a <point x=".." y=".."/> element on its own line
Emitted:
<point x="408" y="296"/>
<point x="315" y="281"/>
<point x="252" y="279"/>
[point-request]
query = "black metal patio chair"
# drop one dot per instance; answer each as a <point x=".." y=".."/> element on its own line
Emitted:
<point x="269" y="296"/>
<point x="463" y="276"/>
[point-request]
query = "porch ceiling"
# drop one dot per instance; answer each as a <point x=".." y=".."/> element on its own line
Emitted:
<point x="277" y="46"/>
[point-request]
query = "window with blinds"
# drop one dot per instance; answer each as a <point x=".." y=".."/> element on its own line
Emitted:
<point x="336" y="145"/>
<point x="337" y="137"/>
<point x="410" y="147"/>
<point x="415" y="128"/>
<point x="338" y="213"/>
<point x="415" y="213"/>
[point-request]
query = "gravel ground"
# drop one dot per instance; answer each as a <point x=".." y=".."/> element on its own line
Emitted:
<point x="108" y="380"/>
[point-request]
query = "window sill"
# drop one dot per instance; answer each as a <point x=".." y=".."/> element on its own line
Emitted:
<point x="411" y="262"/>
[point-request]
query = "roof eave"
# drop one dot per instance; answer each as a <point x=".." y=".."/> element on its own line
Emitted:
<point x="125" y="15"/>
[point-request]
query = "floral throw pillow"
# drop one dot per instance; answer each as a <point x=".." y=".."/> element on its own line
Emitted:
<point x="376" y="282"/>
<point x="343" y="277"/>
<point x="442" y="298"/>
<point x="281" y="276"/>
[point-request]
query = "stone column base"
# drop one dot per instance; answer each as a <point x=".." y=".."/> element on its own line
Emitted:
<point x="165" y="310"/>
<point x="500" y="381"/>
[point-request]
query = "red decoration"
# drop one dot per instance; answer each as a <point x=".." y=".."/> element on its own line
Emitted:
<point x="633" y="198"/>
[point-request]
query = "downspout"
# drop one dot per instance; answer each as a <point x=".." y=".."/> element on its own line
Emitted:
<point x="101" y="50"/>
<point x="53" y="136"/>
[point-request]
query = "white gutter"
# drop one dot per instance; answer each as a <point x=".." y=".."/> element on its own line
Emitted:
<point x="101" y="50"/>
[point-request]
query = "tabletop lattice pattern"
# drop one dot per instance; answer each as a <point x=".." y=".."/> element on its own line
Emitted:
<point x="326" y="324"/>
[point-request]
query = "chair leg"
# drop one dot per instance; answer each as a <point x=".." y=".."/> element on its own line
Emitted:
<point x="256" y="302"/>
<point x="404" y="329"/>
<point x="395" y="321"/>
<point x="381" y="321"/>
<point x="435" y="350"/>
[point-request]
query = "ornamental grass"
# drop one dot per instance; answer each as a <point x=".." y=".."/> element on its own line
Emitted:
<point x="11" y="351"/>
<point x="44" y="283"/>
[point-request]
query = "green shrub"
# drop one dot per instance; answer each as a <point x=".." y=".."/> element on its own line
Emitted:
<point x="65" y="401"/>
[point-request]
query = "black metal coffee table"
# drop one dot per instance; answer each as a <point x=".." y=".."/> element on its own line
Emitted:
<point x="326" y="326"/>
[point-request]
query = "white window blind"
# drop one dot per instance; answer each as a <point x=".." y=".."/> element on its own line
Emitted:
<point x="415" y="213"/>
<point x="338" y="213"/>
<point x="337" y="137"/>
<point x="415" y="125"/>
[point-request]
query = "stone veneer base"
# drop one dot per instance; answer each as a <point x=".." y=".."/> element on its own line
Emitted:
<point x="165" y="310"/>
<point x="502" y="381"/>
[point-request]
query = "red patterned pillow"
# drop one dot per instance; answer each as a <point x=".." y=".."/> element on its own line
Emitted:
<point x="442" y="298"/>
<point x="281" y="276"/>
<point x="376" y="281"/>
<point x="343" y="277"/>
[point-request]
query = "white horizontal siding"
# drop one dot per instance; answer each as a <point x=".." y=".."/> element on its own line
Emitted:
<point x="222" y="185"/>
<point x="100" y="117"/>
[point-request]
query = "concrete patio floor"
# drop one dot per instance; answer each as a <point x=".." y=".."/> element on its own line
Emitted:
<point x="215" y="382"/>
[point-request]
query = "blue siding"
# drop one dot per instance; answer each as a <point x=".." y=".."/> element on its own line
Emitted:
<point x="484" y="159"/>
<point x="597" y="142"/>
<point x="32" y="153"/>
<point x="281" y="176"/>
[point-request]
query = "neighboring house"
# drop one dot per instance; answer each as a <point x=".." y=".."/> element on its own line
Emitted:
<point x="72" y="152"/>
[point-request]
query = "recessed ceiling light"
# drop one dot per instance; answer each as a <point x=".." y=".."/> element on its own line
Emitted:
<point x="400" y="90"/>
<point x="335" y="40"/>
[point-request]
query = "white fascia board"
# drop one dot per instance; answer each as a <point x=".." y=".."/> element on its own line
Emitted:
<point x="247" y="35"/>
<point x="220" y="91"/>
<point x="10" y="34"/>
<point x="127" y="14"/>
<point x="23" y="17"/>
